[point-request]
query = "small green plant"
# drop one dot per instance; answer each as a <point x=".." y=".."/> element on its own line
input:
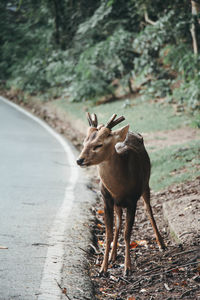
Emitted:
<point x="188" y="93"/>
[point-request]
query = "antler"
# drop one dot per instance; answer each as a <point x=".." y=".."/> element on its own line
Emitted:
<point x="112" y="122"/>
<point x="93" y="122"/>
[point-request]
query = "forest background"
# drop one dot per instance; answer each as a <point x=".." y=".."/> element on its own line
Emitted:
<point x="85" y="49"/>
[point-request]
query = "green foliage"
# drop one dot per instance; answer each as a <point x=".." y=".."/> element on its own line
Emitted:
<point x="182" y="60"/>
<point x="188" y="92"/>
<point x="96" y="21"/>
<point x="83" y="46"/>
<point x="159" y="88"/>
<point x="49" y="69"/>
<point x="99" y="65"/>
<point x="178" y="57"/>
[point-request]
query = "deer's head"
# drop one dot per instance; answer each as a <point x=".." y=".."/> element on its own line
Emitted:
<point x="100" y="141"/>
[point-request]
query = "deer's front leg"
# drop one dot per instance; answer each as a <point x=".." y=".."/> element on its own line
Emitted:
<point x="108" y="218"/>
<point x="130" y="216"/>
<point x="118" y="223"/>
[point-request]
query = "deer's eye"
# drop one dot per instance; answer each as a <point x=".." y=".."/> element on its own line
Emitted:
<point x="97" y="146"/>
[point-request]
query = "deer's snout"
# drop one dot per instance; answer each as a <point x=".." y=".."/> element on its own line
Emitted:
<point x="80" y="161"/>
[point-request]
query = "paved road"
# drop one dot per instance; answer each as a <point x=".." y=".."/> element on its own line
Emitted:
<point x="34" y="172"/>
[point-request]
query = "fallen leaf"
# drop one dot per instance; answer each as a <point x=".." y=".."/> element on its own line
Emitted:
<point x="183" y="283"/>
<point x="133" y="245"/>
<point x="175" y="270"/>
<point x="64" y="291"/>
<point x="99" y="226"/>
<point x="100" y="243"/>
<point x="100" y="212"/>
<point x="142" y="243"/>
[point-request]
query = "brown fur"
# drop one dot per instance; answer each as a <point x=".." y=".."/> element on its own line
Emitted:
<point x="124" y="170"/>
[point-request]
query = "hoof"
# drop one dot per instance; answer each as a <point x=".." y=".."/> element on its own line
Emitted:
<point x="161" y="244"/>
<point x="162" y="247"/>
<point x="127" y="273"/>
<point x="103" y="273"/>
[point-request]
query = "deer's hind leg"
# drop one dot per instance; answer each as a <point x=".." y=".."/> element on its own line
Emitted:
<point x="118" y="223"/>
<point x="146" y="198"/>
<point x="130" y="217"/>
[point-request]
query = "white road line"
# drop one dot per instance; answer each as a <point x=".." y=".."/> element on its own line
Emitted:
<point x="54" y="260"/>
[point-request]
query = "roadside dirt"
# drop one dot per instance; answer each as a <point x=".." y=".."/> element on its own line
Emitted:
<point x="174" y="274"/>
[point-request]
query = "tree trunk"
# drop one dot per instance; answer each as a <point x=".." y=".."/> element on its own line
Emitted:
<point x="195" y="12"/>
<point x="147" y="19"/>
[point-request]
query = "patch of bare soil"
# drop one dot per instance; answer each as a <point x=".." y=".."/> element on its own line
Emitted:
<point x="162" y="139"/>
<point x="172" y="274"/>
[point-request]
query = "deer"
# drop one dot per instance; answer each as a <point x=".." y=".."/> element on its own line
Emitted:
<point x="124" y="169"/>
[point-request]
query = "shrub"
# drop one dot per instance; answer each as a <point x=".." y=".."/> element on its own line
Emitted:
<point x="100" y="64"/>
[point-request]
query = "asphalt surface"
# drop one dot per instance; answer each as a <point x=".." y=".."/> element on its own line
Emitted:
<point x="37" y="183"/>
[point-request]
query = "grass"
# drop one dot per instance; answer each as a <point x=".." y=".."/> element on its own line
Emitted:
<point x="170" y="165"/>
<point x="174" y="165"/>
<point x="142" y="116"/>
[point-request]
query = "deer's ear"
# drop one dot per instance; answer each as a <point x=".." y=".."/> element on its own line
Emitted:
<point x="121" y="133"/>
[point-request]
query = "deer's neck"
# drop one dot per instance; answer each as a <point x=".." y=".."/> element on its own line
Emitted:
<point x="108" y="165"/>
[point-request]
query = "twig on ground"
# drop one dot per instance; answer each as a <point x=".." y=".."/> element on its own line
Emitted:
<point x="176" y="267"/>
<point x="63" y="290"/>
<point x="186" y="232"/>
<point x="85" y="251"/>
<point x="185" y="252"/>
<point x="95" y="250"/>
<point x="123" y="279"/>
<point x="134" y="284"/>
<point x="187" y="293"/>
<point x="154" y="269"/>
